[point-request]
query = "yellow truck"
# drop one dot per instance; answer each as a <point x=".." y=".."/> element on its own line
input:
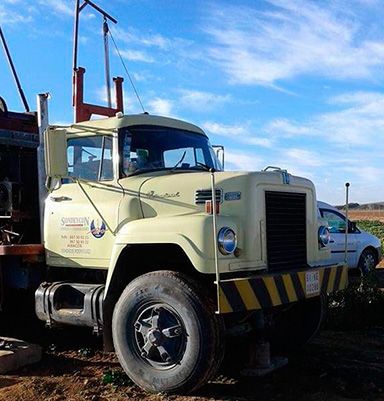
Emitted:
<point x="151" y="243"/>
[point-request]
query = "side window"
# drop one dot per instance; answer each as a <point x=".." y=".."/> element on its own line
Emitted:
<point x="90" y="158"/>
<point x="336" y="223"/>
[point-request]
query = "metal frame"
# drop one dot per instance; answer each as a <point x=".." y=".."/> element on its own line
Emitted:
<point x="84" y="111"/>
<point x="14" y="73"/>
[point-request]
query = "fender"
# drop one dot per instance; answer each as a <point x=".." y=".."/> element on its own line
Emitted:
<point x="193" y="233"/>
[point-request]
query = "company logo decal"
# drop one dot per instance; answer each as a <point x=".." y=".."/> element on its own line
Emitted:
<point x="153" y="194"/>
<point x="74" y="223"/>
<point x="97" y="229"/>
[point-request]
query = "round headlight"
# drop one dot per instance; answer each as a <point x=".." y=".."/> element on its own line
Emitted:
<point x="227" y="240"/>
<point x="324" y="236"/>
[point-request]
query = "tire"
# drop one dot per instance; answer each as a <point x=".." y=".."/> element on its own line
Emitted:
<point x="367" y="261"/>
<point x="166" y="334"/>
<point x="294" y="327"/>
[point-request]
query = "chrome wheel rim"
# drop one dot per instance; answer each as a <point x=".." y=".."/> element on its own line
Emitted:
<point x="160" y="336"/>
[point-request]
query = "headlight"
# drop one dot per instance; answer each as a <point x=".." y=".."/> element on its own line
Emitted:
<point x="324" y="236"/>
<point x="226" y="240"/>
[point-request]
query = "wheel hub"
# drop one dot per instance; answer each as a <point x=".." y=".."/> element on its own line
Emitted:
<point x="160" y="336"/>
<point x="154" y="337"/>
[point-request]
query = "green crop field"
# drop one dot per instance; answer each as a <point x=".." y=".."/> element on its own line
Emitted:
<point x="374" y="227"/>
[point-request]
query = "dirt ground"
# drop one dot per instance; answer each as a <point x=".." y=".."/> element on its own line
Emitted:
<point x="335" y="366"/>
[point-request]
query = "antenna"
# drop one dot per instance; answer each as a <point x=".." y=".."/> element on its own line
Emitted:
<point x="13" y="69"/>
<point x="83" y="111"/>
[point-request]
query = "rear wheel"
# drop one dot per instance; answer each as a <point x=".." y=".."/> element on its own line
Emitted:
<point x="166" y="334"/>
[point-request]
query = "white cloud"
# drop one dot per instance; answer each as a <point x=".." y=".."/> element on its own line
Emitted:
<point x="302" y="157"/>
<point x="289" y="128"/>
<point x="236" y="160"/>
<point x="292" y="38"/>
<point x="366" y="174"/>
<point x="160" y="106"/>
<point x="135" y="37"/>
<point x="138" y="76"/>
<point x="137" y="55"/>
<point x="224" y="130"/>
<point x="238" y="133"/>
<point x="202" y="101"/>
<point x="359" y="121"/>
<point x="9" y="16"/>
<point x="58" y="6"/>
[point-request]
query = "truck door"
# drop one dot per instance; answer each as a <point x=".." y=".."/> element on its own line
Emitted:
<point x="82" y="213"/>
<point x="336" y="225"/>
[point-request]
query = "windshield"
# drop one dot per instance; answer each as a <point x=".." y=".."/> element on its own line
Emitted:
<point x="150" y="148"/>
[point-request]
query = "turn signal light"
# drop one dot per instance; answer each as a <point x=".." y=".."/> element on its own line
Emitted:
<point x="209" y="207"/>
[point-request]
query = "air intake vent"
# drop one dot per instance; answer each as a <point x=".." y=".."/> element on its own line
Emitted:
<point x="202" y="195"/>
<point x="286" y="230"/>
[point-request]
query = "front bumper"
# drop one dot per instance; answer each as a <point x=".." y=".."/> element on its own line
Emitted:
<point x="271" y="290"/>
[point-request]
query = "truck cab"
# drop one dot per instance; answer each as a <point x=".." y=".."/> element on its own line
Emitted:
<point x="145" y="179"/>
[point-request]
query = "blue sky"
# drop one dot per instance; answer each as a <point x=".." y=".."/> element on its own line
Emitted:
<point x="296" y="84"/>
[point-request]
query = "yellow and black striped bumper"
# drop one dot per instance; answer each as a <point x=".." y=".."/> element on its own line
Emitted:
<point x="270" y="290"/>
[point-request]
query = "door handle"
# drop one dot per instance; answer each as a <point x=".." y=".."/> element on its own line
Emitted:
<point x="60" y="198"/>
<point x="331" y="241"/>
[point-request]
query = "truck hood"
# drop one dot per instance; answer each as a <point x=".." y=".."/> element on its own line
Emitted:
<point x="170" y="196"/>
<point x="175" y="193"/>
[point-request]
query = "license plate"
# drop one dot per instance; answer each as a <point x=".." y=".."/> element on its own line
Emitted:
<point x="312" y="283"/>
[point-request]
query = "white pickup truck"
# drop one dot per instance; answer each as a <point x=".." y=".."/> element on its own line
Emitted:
<point x="364" y="249"/>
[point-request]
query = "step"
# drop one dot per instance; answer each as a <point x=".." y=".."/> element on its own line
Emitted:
<point x="15" y="354"/>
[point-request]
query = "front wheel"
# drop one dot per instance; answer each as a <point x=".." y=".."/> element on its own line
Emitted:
<point x="166" y="334"/>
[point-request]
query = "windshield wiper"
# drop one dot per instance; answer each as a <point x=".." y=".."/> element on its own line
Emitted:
<point x="204" y="166"/>
<point x="179" y="162"/>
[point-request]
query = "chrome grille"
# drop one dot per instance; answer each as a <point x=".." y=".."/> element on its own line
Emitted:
<point x="202" y="195"/>
<point x="286" y="230"/>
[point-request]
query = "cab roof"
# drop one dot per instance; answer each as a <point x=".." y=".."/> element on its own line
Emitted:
<point x="114" y="123"/>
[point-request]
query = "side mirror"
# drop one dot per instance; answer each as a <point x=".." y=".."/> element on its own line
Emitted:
<point x="55" y="152"/>
<point x="219" y="150"/>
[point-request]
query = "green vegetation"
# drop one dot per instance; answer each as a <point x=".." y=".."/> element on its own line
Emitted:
<point x="374" y="227"/>
<point x="116" y="377"/>
<point x="361" y="305"/>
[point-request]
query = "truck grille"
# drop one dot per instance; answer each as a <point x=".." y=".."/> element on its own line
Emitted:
<point x="202" y="195"/>
<point x="286" y="230"/>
